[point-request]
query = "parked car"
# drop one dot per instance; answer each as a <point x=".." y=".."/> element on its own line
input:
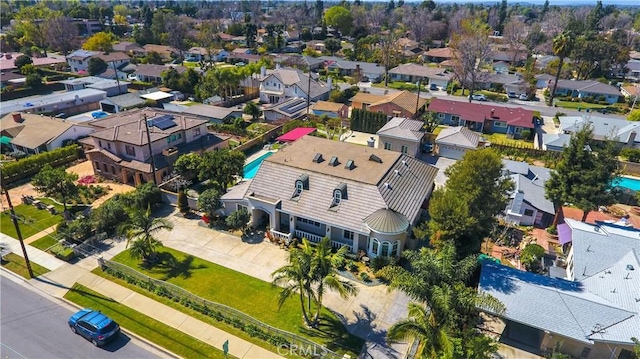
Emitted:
<point x="524" y="97"/>
<point x="512" y="94"/>
<point x="94" y="326"/>
<point x="478" y="97"/>
<point x="433" y="87"/>
<point x="132" y="77"/>
<point x="177" y="95"/>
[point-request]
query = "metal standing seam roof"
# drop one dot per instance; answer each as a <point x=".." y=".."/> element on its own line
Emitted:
<point x="386" y="220"/>
<point x="403" y="128"/>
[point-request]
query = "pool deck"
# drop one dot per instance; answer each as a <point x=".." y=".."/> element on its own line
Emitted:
<point x="256" y="155"/>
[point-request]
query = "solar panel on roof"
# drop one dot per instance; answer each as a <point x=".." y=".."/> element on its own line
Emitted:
<point x="164" y="122"/>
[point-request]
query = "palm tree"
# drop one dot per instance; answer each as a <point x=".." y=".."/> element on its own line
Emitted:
<point x="562" y="46"/>
<point x="325" y="274"/>
<point x="423" y="325"/>
<point x="296" y="277"/>
<point x="139" y="230"/>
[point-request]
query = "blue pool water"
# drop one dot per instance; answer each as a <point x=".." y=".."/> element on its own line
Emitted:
<point x="626" y="182"/>
<point x="251" y="168"/>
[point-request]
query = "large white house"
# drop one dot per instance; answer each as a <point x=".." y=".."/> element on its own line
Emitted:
<point x="360" y="197"/>
<point x="282" y="84"/>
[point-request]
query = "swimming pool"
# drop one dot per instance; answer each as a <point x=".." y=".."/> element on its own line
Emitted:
<point x="251" y="168"/>
<point x="626" y="182"/>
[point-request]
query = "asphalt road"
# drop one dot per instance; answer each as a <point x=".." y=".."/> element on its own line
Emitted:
<point x="33" y="326"/>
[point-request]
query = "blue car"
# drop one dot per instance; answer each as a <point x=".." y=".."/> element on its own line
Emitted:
<point x="94" y="326"/>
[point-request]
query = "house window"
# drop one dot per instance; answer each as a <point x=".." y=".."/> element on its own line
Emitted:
<point x="374" y="245"/>
<point x="130" y="150"/>
<point x="337" y="197"/>
<point x="108" y="145"/>
<point x="441" y="116"/>
<point x="196" y="131"/>
<point x="97" y="165"/>
<point x="178" y="136"/>
<point x="113" y="170"/>
<point x="100" y="144"/>
<point x="387" y="146"/>
<point x="385" y="249"/>
<point x="501" y="124"/>
<point x="518" y="130"/>
<point x="299" y="188"/>
<point x="347" y="234"/>
<point x="528" y="212"/>
<point x="404" y="149"/>
<point x="394" y="249"/>
<point x="455" y="120"/>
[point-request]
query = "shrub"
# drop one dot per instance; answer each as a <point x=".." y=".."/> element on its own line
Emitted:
<point x="531" y="256"/>
<point x="63" y="253"/>
<point x="632" y="154"/>
<point x="365" y="277"/>
<point x="353" y="267"/>
<point x="183" y="202"/>
<point x="381" y="262"/>
<point x="525" y="134"/>
<point x="552" y="230"/>
<point x="238" y="219"/>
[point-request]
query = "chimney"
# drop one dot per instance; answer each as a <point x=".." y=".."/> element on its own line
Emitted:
<point x="632" y="138"/>
<point x="263" y="72"/>
<point x="329" y="82"/>
<point x="17" y="117"/>
<point x="371" y="142"/>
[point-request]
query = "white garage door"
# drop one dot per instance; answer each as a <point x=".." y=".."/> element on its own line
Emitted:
<point x="452" y="152"/>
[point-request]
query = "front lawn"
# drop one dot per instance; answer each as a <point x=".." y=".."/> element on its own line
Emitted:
<point x="31" y="220"/>
<point x="402" y="85"/>
<point x="16" y="264"/>
<point x="576" y="105"/>
<point x="501" y="139"/>
<point x="247" y="294"/>
<point x="159" y="333"/>
<point x="44" y="242"/>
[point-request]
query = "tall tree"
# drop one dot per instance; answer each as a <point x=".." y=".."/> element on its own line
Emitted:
<point x="583" y="177"/>
<point x="96" y="66"/>
<point x="253" y="110"/>
<point x="140" y="229"/>
<point x="101" y="41"/>
<point x="209" y="202"/>
<point x="562" y="46"/>
<point x="61" y="34"/>
<point x="471" y="50"/>
<point x="57" y="183"/>
<point x="339" y="18"/>
<point x="177" y="31"/>
<point x="477" y="192"/>
<point x="388" y="52"/>
<point x="515" y="34"/>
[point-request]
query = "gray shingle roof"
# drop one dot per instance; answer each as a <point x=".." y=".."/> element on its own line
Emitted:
<point x="459" y="136"/>
<point x="591" y="86"/>
<point x="533" y="193"/>
<point x="130" y="99"/>
<point x="402" y="128"/>
<point x="602" y="126"/>
<point x="556" y="139"/>
<point x="365" y="184"/>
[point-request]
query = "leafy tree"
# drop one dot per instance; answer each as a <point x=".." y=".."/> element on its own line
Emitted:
<point x="562" y="46"/>
<point x="634" y="115"/>
<point x="530" y="257"/>
<point x="34" y="80"/>
<point x="187" y="165"/>
<point x="339" y="18"/>
<point x="471" y="49"/>
<point x="253" y="110"/>
<point x="97" y="66"/>
<point x="238" y="219"/>
<point x="332" y="45"/>
<point x="109" y="215"/>
<point x="57" y="183"/>
<point x="144" y="196"/>
<point x="140" y="230"/>
<point x="636" y="347"/>
<point x="476" y="183"/>
<point x="101" y="41"/>
<point x="583" y="177"/>
<point x="183" y="202"/>
<point x="21" y="61"/>
<point x="209" y="202"/>
<point x="345" y="95"/>
<point x="154" y="58"/>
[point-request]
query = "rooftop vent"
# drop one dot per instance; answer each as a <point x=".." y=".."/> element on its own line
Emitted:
<point x="375" y="158"/>
<point x="334" y="161"/>
<point x="387" y="185"/>
<point x="630" y="267"/>
<point x="397" y="173"/>
<point x="350" y="165"/>
<point x="318" y="158"/>
<point x="405" y="163"/>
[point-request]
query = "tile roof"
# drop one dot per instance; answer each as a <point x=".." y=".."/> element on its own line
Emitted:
<point x="365" y="184"/>
<point x="444" y="52"/>
<point x="459" y="136"/>
<point x="556" y="139"/>
<point x="591" y="86"/>
<point x="404" y="99"/>
<point x="113" y="56"/>
<point x="416" y="70"/>
<point x="367" y="97"/>
<point x="328" y="106"/>
<point x="514" y="116"/>
<point x="403" y="128"/>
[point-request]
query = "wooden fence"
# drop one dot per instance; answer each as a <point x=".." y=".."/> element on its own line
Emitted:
<point x="260" y="140"/>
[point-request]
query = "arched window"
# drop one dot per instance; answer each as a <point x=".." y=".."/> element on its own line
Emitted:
<point x="299" y="187"/>
<point x="394" y="250"/>
<point x="337" y="196"/>
<point x="374" y="245"/>
<point x="385" y="249"/>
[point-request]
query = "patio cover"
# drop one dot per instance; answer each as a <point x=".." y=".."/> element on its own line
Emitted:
<point x="564" y="233"/>
<point x="156" y="96"/>
<point x="296" y="134"/>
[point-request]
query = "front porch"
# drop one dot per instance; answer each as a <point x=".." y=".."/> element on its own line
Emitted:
<point x="287" y="237"/>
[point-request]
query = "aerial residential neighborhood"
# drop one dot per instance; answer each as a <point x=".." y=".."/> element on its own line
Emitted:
<point x="320" y="179"/>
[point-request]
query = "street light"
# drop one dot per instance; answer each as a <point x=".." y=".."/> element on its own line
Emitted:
<point x="14" y="219"/>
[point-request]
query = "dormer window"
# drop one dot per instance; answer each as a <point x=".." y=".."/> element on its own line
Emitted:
<point x="339" y="195"/>
<point x="302" y="183"/>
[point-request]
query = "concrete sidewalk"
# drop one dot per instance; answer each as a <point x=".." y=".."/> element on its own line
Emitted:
<point x="64" y="275"/>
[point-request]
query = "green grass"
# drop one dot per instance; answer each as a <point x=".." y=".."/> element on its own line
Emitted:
<point x="33" y="220"/>
<point x="190" y="64"/>
<point x="437" y="130"/>
<point x="242" y="292"/>
<point x="44" y="242"/>
<point x="16" y="264"/>
<point x="501" y="139"/>
<point x="575" y="105"/>
<point x="402" y="85"/>
<point x="159" y="333"/>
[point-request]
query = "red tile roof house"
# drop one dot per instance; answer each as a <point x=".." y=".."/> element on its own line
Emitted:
<point x="483" y="118"/>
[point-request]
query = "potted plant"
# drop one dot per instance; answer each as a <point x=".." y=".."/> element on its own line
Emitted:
<point x="552" y="232"/>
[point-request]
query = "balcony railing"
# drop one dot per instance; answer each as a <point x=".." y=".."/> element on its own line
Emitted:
<point x="338" y="245"/>
<point x="314" y="238"/>
<point x="280" y="235"/>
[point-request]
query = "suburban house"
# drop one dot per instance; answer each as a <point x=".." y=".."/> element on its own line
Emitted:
<point x="500" y="67"/>
<point x="512" y="121"/>
<point x="438" y="55"/>
<point x="364" y="198"/>
<point x="164" y="51"/>
<point x="427" y="75"/>
<point x="290" y="109"/>
<point x="454" y="142"/>
<point x="282" y="84"/>
<point x="111" y="87"/>
<point x="71" y="102"/>
<point x="527" y="204"/>
<point x="7" y="62"/>
<point x="554" y="141"/>
<point x="630" y="91"/>
<point x="589" y="305"/>
<point x="33" y="134"/>
<point x="366" y="70"/>
<point x="79" y="59"/>
<point x="402" y="135"/>
<point x="331" y="109"/>
<point x="153" y="73"/>
<point x="125" y="101"/>
<point x="217" y="114"/>
<point x="633" y="70"/>
<point x="623" y="131"/>
<point x="14" y="79"/>
<point x="398" y="104"/>
<point x="587" y="88"/>
<point x="544" y="81"/>
<point x="119" y="147"/>
<point x="197" y="54"/>
<point x="127" y="47"/>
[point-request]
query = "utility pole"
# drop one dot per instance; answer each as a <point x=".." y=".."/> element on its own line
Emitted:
<point x="14" y="219"/>
<point x="417" y="100"/>
<point x="308" y="93"/>
<point x="115" y="71"/>
<point x="153" y="161"/>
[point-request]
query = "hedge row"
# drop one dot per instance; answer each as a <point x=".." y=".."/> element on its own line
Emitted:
<point x="27" y="167"/>
<point x="367" y="121"/>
